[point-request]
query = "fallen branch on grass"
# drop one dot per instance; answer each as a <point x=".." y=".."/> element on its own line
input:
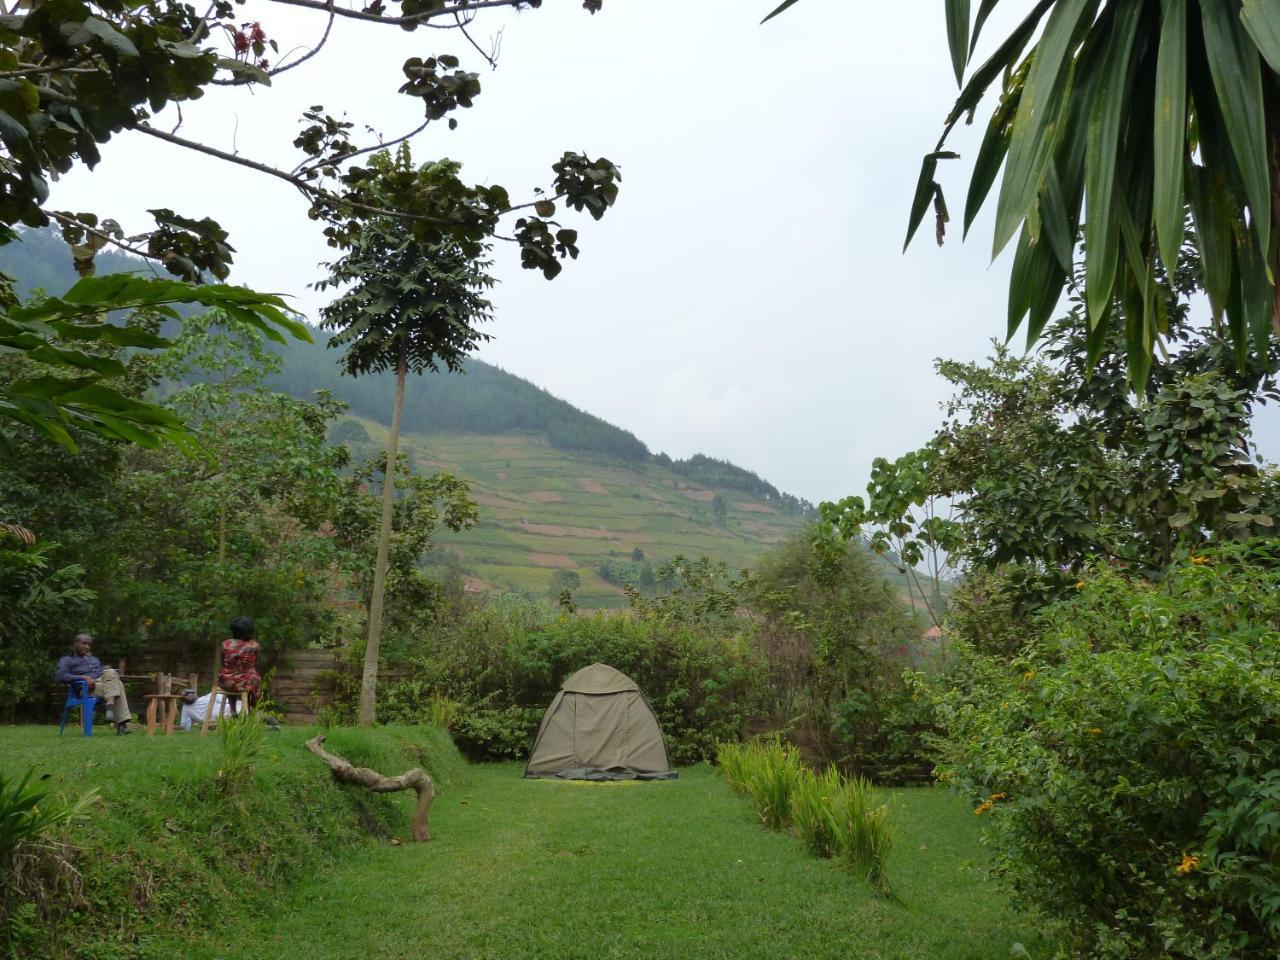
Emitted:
<point x="415" y="779"/>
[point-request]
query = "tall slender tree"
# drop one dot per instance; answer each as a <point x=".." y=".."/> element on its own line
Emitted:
<point x="411" y="305"/>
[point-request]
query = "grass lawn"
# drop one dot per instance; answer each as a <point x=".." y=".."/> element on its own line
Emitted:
<point x="545" y="869"/>
<point x="536" y="869"/>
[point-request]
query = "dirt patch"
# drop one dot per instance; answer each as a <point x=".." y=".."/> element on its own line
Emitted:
<point x="492" y="500"/>
<point x="502" y="475"/>
<point x="592" y="486"/>
<point x="754" y="508"/>
<point x="551" y="560"/>
<point x="555" y="530"/>
<point x="702" y="496"/>
<point x="544" y="496"/>
<point x="474" y="585"/>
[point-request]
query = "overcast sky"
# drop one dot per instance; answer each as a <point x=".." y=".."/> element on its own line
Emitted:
<point x="746" y="298"/>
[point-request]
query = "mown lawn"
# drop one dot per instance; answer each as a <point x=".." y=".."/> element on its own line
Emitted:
<point x="681" y="869"/>
<point x="517" y="868"/>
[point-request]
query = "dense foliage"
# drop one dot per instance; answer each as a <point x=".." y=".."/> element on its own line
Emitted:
<point x="721" y="473"/>
<point x="1127" y="758"/>
<point x="837" y="639"/>
<point x="503" y="665"/>
<point x="263" y="515"/>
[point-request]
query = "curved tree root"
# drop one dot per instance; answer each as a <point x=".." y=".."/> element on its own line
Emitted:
<point x="416" y="779"/>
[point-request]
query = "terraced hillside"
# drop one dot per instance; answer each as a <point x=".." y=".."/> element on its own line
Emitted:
<point x="544" y="509"/>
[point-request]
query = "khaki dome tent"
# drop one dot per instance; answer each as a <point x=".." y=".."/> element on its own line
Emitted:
<point x="599" y="727"/>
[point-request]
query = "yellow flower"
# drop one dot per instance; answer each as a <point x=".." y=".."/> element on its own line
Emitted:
<point x="1189" y="863"/>
<point x="1029" y="675"/>
<point x="1200" y="561"/>
<point x="1093" y="731"/>
<point x="983" y="807"/>
<point x="1079" y="584"/>
<point x="998" y="796"/>
<point x="147" y="622"/>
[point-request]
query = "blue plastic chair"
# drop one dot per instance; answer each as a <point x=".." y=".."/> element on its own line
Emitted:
<point x="78" y="696"/>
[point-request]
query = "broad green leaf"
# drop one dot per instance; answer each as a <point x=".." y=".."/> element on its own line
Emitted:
<point x="1041" y="107"/>
<point x="991" y="154"/>
<point x="958" y="36"/>
<point x="1002" y="59"/>
<point x="1262" y="19"/>
<point x="110" y="36"/>
<point x="1109" y="102"/>
<point x="1034" y="269"/>
<point x="926" y="189"/>
<point x="1055" y="224"/>
<point x="984" y="11"/>
<point x="1170" y="131"/>
<point x="779" y="9"/>
<point x="1256" y="297"/>
<point x="1236" y="69"/>
<point x="1214" y="219"/>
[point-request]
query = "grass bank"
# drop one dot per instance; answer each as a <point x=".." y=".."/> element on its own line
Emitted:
<point x="683" y="869"/>
<point x="166" y="853"/>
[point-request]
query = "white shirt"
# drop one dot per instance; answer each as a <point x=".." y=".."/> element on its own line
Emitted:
<point x="193" y="713"/>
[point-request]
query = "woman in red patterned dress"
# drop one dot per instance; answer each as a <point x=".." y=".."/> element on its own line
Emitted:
<point x="239" y="673"/>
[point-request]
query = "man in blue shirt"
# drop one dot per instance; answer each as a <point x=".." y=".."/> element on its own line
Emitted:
<point x="103" y="683"/>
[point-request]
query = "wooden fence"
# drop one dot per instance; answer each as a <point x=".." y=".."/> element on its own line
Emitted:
<point x="304" y="681"/>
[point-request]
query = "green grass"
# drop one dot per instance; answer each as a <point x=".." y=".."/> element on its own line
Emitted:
<point x="517" y="868"/>
<point x="543" y="869"/>
<point x="646" y="506"/>
<point x="167" y="850"/>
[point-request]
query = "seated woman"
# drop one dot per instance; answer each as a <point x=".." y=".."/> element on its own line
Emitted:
<point x="239" y="673"/>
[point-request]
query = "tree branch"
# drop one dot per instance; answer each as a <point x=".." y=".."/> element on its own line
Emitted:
<point x="108" y="238"/>
<point x="417" y="18"/>
<point x="416" y="779"/>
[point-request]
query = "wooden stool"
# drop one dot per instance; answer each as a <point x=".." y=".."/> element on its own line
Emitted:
<point x="162" y="710"/>
<point x="242" y="700"/>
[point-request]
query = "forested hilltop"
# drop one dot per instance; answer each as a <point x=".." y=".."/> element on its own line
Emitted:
<point x="483" y="400"/>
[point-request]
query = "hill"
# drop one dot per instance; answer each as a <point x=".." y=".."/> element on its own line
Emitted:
<point x="605" y="521"/>
<point x="559" y="489"/>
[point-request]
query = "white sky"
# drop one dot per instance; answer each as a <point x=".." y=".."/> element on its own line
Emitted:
<point x="746" y="297"/>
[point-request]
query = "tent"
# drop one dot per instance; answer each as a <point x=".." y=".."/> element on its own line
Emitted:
<point x="599" y="727"/>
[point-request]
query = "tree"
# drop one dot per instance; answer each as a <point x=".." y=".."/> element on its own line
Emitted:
<point x="76" y="74"/>
<point x="410" y="307"/>
<point x="1139" y="110"/>
<point x="719" y="510"/>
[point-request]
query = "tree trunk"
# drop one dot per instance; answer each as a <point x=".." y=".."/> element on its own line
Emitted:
<point x="415" y="779"/>
<point x="369" y="681"/>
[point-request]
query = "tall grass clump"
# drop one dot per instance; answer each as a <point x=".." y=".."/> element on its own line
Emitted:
<point x="836" y="817"/>
<point x="776" y="772"/>
<point x="865" y="833"/>
<point x="813" y="809"/>
<point x="240" y="738"/>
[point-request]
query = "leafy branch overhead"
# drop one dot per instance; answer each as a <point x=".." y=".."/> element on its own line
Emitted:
<point x="74" y="74"/>
<point x="1131" y="112"/>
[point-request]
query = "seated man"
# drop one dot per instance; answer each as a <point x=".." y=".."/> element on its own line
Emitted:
<point x="194" y="708"/>
<point x="102" y="683"/>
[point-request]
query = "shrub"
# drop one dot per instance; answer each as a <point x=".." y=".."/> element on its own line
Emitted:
<point x="1127" y="763"/>
<point x="30" y="861"/>
<point x="502" y="665"/>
